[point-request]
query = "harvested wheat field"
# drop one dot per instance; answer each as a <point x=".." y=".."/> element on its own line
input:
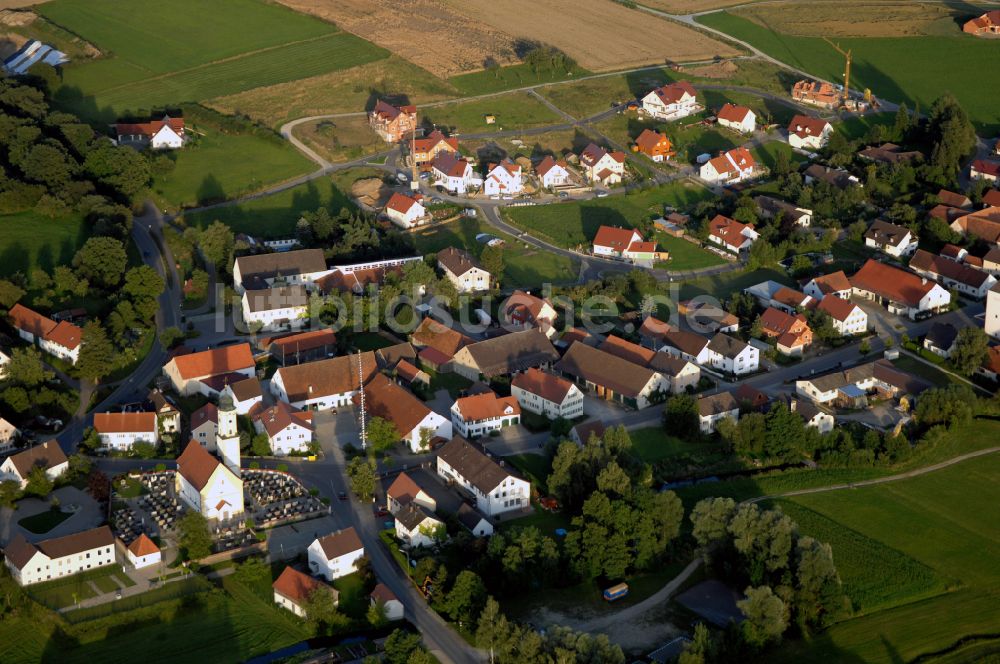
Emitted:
<point x="598" y="34"/>
<point x="426" y="32"/>
<point x="691" y="6"/>
<point x="848" y="18"/>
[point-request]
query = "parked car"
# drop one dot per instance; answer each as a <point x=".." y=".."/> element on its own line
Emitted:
<point x="342" y="495"/>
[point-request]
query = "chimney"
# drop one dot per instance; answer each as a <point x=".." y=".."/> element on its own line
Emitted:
<point x="792" y="404"/>
<point x="923" y="281"/>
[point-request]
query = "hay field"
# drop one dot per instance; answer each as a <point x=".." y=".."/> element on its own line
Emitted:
<point x="819" y="18"/>
<point x="429" y="33"/>
<point x="599" y="35"/>
<point x="690" y="6"/>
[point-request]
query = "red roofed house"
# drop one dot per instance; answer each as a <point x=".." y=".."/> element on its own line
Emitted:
<point x="952" y="274"/>
<point x="672" y="101"/>
<point x="738" y="118"/>
<point x="816" y="93"/>
<point x="731" y="234"/>
<point x="902" y="292"/>
<point x="983" y="224"/>
<point x="207" y="485"/>
<point x="835" y="283"/>
<point x="654" y="145"/>
<point x="454" y="173"/>
<point x="288" y="429"/>
<point x="982" y="169"/>
<point x="303" y="346"/>
<point x="992" y="198"/>
<point x="503" y="179"/>
<point x="48" y="456"/>
<point x="392" y="608"/>
<point x="808" y="133"/>
<point x="167" y="133"/>
<point x="729" y="167"/>
<point x="614" y="242"/>
<point x="480" y="414"/>
<point x="416" y="424"/>
<point x="405" y="211"/>
<point x="427" y="148"/>
<point x="405" y="490"/>
<point x="552" y="173"/>
<point x="848" y="318"/>
<point x="392" y="123"/>
<point x="293" y="589"/>
<point x="951" y="199"/>
<point x="986" y="24"/>
<point x="187" y="372"/>
<point x="602" y="167"/>
<point x="792" y="332"/>
<point x="523" y="310"/>
<point x="61" y="339"/>
<point x="142" y="552"/>
<point x="547" y="394"/>
<point x="119" y="431"/>
<point x="991" y="365"/>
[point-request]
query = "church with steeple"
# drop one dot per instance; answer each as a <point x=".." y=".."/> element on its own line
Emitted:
<point x="209" y="484"/>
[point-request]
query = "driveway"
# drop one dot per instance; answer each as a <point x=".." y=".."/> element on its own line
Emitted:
<point x="88" y="515"/>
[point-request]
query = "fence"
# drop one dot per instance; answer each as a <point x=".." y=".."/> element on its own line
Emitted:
<point x="170" y="590"/>
<point x="233" y="554"/>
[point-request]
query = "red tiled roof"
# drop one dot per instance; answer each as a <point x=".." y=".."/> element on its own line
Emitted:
<point x="341" y="542"/>
<point x="654" y="328"/>
<point x="986" y="167"/>
<point x="790" y="297"/>
<point x="617" y="239"/>
<point x="486" y="406"/>
<point x="400" y="203"/>
<point x="733" y="113"/>
<point x="951" y="199"/>
<point x="382" y="594"/>
<point x="776" y="322"/>
<point x="196" y="465"/>
<point x="406" y="371"/>
<point x="928" y="262"/>
<point x="65" y="334"/>
<point x="279" y="417"/>
<point x="627" y="350"/>
<point x="142" y="546"/>
<point x="295" y="585"/>
<point x="432" y="140"/>
<point x="336" y="375"/>
<point x="150" y="128"/>
<point x="48" y="455"/>
<point x="892" y="283"/>
<point x="450" y="165"/>
<point x="386" y="399"/>
<point x="548" y="164"/>
<point x="23" y="318"/>
<point x="435" y="335"/>
<point x="547" y="386"/>
<point x="215" y="361"/>
<point x="837" y="307"/>
<point x="124" y="422"/>
<point x="992" y="198"/>
<point x="403" y="489"/>
<point x="804" y="125"/>
<point x="728" y="230"/>
<point x="304" y="341"/>
<point x="835" y="282"/>
<point x="672" y="93"/>
<point x="652" y="142"/>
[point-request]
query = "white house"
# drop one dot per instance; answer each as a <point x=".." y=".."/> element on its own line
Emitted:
<point x="119" y="431"/>
<point x="940" y="339"/>
<point x="416" y="526"/>
<point x="288" y="429"/>
<point x="897" y="241"/>
<point x="59" y="557"/>
<point x="164" y="134"/>
<point x="612" y="377"/>
<point x="405" y="211"/>
<point x="686" y="345"/>
<point x="333" y="556"/>
<point x="614" y="242"/>
<point x="811" y="414"/>
<point x="983" y="169"/>
<point x="737" y="118"/>
<point x="206" y="485"/>
<point x="900" y="291"/>
<point x="392" y="608"/>
<point x="494" y="487"/>
<point x="523" y="310"/>
<point x="475" y="522"/>
<point x="60" y="339"/>
<point x="416" y="424"/>
<point x="503" y="179"/>
<point x="547" y="394"/>
<point x="8" y="435"/>
<point x="672" y="101"/>
<point x="276" y="307"/>
<point x="142" y="552"/>
<point x="731" y="234"/>
<point x="323" y="384"/>
<point x="204" y="426"/>
<point x="835" y="283"/>
<point x="463" y="270"/>
<point x="991" y="322"/>
<point x="729" y="167"/>
<point x="732" y="356"/>
<point x="245" y="394"/>
<point x="602" y="167"/>
<point x="454" y="174"/>
<point x="808" y="133"/>
<point x="771" y="207"/>
<point x="48" y="455"/>
<point x="480" y="414"/>
<point x="712" y="409"/>
<point x="187" y="372"/>
<point x="552" y="173"/>
<point x="285" y="268"/>
<point x="293" y="590"/>
<point x="963" y="278"/>
<point x="405" y="490"/>
<point x="848" y="318"/>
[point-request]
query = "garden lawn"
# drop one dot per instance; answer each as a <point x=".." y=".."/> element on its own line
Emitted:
<point x="507" y="78"/>
<point x="353" y="598"/>
<point x="517" y="110"/>
<point x="45" y="521"/>
<point x="855" y="127"/>
<point x="767" y="154"/>
<point x="932" y="374"/>
<point x="724" y="285"/>
<point x="535" y="467"/>
<point x="904" y="69"/>
<point x="366" y="341"/>
<point x="685" y="255"/>
<point x="219" y="166"/>
<point x="29" y="240"/>
<point x="653" y="444"/>
<point x="574" y="224"/>
<point x="275" y="215"/>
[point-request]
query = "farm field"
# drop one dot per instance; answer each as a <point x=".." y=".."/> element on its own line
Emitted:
<point x="944" y="521"/>
<point x="29" y="240"/>
<point x="575" y="224"/>
<point x="907" y="69"/>
<point x="853" y="18"/>
<point x="226" y="49"/>
<point x="218" y="166"/>
<point x="341" y="139"/>
<point x="517" y="110"/>
<point x="509" y="77"/>
<point x="275" y="215"/>
<point x="350" y="90"/>
<point x="690" y="6"/>
<point x="524" y="265"/>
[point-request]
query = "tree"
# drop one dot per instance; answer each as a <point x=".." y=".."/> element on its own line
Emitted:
<point x="216" y="243"/>
<point x="143" y="285"/>
<point x="376" y="615"/>
<point x="39" y="483"/>
<point x="361" y="473"/>
<point x="865" y="347"/>
<point x="766" y="616"/>
<point x="710" y="520"/>
<point x="700" y="648"/>
<point x="49" y="165"/>
<point x="763" y="538"/>
<point x="492" y="259"/>
<point x="953" y="135"/>
<point x="970" y="350"/>
<point x="945" y="405"/>
<point x="466" y="598"/>
<point x="818" y="592"/>
<point x="97" y="353"/>
<point x="120" y="168"/>
<point x="400" y="645"/>
<point x="9" y="294"/>
<point x="102" y="260"/>
<point x="612" y="479"/>
<point x="195" y="539"/>
<point x="757" y="328"/>
<point x="260" y="445"/>
<point x="143" y="449"/>
<point x="16" y="398"/>
<point x="381" y="434"/>
<point x="493" y="629"/>
<point x="10" y="492"/>
<point x="680" y="417"/>
<point x="901" y="125"/>
<point x="27" y="369"/>
<point x="170" y="336"/>
<point x="321" y="611"/>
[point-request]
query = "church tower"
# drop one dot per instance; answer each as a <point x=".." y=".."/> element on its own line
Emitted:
<point x="228" y="435"/>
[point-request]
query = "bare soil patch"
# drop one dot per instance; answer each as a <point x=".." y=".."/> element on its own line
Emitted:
<point x="437" y="37"/>
<point x="599" y="35"/>
<point x="848" y="18"/>
<point x="340" y="139"/>
<point x="725" y="69"/>
<point x="371" y="192"/>
<point x="690" y="6"/>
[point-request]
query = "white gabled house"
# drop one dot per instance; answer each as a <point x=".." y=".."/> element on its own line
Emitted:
<point x="276" y="307"/>
<point x="120" y="431"/>
<point x="288" y="429"/>
<point x="48" y="455"/>
<point x="142" y="552"/>
<point x="416" y="424"/>
<point x="188" y="373"/>
<point x="891" y="239"/>
<point x="392" y="608"/>
<point x="323" y="384"/>
<point x="475" y="522"/>
<point x="60" y="339"/>
<point x="737" y="118"/>
<point x="416" y="526"/>
<point x="547" y="394"/>
<point x="333" y="556"/>
<point x="480" y="414"/>
<point x="808" y="133"/>
<point x="715" y="408"/>
<point x="245" y="394"/>
<point x="729" y="167"/>
<point x="494" y="487"/>
<point x="405" y="490"/>
<point x="406" y="211"/>
<point x="164" y="134"/>
<point x="503" y="179"/>
<point x="847" y="318"/>
<point x="59" y="557"/>
<point x="462" y="269"/>
<point x="731" y="234"/>
<point x="732" y="356"/>
<point x="454" y="174"/>
<point x="671" y="102"/>
<point x="552" y="173"/>
<point x="293" y="590"/>
<point x="302" y="267"/>
<point x="602" y="167"/>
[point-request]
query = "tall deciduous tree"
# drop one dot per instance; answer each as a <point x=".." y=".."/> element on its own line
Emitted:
<point x="216" y="243"/>
<point x="680" y="417"/>
<point x="101" y="260"/>
<point x="195" y="538"/>
<point x="766" y="616"/>
<point x="970" y="350"/>
<point x="26" y="368"/>
<point x="97" y="353"/>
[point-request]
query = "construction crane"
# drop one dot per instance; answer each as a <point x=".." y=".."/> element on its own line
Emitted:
<point x="847" y="69"/>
